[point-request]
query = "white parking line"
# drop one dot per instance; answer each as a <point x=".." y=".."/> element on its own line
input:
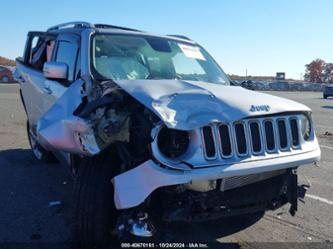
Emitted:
<point x="327" y="147"/>
<point x="324" y="200"/>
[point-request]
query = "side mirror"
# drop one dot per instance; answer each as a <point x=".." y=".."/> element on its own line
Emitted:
<point x="55" y="70"/>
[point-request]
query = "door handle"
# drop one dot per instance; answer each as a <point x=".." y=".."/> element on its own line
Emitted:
<point x="47" y="90"/>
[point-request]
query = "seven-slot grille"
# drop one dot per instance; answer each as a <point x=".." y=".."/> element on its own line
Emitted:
<point x="251" y="137"/>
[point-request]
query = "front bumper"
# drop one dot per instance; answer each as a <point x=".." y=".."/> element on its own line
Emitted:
<point x="269" y="194"/>
<point x="131" y="188"/>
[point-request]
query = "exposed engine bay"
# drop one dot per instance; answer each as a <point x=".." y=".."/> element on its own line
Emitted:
<point x="119" y="121"/>
<point x="114" y="121"/>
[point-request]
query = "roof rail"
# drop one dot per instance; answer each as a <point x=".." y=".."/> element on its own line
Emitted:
<point x="71" y="24"/>
<point x="181" y="37"/>
<point x="107" y="26"/>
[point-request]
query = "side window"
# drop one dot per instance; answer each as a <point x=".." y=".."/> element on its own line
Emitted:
<point x="40" y="51"/>
<point x="67" y="53"/>
<point x="37" y="55"/>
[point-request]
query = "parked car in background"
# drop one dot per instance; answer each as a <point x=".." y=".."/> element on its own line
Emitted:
<point x="328" y="91"/>
<point x="248" y="84"/>
<point x="5" y="75"/>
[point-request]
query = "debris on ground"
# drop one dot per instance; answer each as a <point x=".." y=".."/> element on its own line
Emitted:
<point x="54" y="203"/>
<point x="278" y="215"/>
<point x="328" y="133"/>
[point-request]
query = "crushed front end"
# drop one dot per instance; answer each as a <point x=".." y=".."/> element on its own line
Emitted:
<point x="186" y="164"/>
<point x="246" y="197"/>
<point x="222" y="169"/>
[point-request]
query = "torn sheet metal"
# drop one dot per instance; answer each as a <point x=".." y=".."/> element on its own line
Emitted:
<point x="132" y="187"/>
<point x="187" y="105"/>
<point x="60" y="129"/>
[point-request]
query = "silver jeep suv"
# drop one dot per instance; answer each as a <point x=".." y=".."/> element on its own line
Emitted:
<point x="154" y="131"/>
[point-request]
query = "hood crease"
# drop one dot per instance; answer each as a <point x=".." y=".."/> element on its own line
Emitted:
<point x="187" y="105"/>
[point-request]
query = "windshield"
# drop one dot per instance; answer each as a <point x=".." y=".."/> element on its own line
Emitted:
<point x="127" y="57"/>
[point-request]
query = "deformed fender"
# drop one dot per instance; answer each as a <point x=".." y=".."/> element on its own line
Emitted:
<point x="60" y="129"/>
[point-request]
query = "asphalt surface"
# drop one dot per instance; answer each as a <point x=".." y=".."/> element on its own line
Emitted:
<point x="30" y="192"/>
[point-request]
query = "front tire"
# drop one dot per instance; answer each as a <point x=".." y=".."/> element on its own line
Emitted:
<point x="94" y="212"/>
<point x="325" y="96"/>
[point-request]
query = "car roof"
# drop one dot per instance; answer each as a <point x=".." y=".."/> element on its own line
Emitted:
<point x="79" y="27"/>
<point x="140" y="33"/>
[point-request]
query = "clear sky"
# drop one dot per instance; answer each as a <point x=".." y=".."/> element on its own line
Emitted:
<point x="262" y="36"/>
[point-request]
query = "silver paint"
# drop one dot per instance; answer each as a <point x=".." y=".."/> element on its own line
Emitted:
<point x="186" y="105"/>
<point x="131" y="188"/>
<point x="60" y="129"/>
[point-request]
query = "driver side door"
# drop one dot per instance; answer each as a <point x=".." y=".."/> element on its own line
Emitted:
<point x="66" y="51"/>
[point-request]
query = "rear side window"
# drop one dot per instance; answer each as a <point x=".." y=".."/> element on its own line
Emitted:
<point x="67" y="53"/>
<point x="39" y="50"/>
<point x="37" y="54"/>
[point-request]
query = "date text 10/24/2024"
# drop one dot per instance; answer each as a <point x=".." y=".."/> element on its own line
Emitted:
<point x="164" y="245"/>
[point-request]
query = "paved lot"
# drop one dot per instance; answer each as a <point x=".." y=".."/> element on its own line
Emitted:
<point x="27" y="187"/>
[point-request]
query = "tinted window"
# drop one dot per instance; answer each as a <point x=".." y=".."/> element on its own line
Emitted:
<point x="67" y="53"/>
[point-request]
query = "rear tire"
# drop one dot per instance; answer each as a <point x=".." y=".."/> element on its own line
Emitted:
<point x="94" y="213"/>
<point x="39" y="152"/>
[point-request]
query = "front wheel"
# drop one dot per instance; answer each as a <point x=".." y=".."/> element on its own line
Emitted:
<point x="94" y="213"/>
<point x="325" y="96"/>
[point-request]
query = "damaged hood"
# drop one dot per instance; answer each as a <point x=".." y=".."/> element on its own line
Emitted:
<point x="187" y="105"/>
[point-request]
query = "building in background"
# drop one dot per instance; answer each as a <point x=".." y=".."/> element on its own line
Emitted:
<point x="280" y="76"/>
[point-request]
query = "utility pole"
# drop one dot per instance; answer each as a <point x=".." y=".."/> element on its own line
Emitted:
<point x="246" y="72"/>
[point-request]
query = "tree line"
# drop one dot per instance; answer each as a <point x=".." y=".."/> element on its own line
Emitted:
<point x="319" y="71"/>
<point x="6" y="62"/>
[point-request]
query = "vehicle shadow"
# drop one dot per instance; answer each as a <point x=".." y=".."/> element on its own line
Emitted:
<point x="327" y="107"/>
<point x="212" y="230"/>
<point x="26" y="169"/>
<point x="322" y="98"/>
<point x="18" y="157"/>
<point x="21" y="157"/>
<point x="27" y="187"/>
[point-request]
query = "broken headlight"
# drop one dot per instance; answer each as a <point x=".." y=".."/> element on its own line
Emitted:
<point x="172" y="143"/>
<point x="306" y="126"/>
